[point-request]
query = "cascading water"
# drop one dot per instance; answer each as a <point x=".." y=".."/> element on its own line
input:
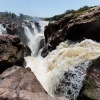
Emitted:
<point x="63" y="71"/>
<point x="35" y="28"/>
<point x="2" y="30"/>
<point x="35" y="37"/>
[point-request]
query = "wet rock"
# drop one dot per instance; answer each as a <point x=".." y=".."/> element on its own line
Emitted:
<point x="91" y="87"/>
<point x="71" y="82"/>
<point x="12" y="52"/>
<point x="86" y="25"/>
<point x="11" y="27"/>
<point x="54" y="27"/>
<point x="21" y="33"/>
<point x="15" y="28"/>
<point x="28" y="24"/>
<point x="27" y="50"/>
<point x="81" y="83"/>
<point x="18" y="83"/>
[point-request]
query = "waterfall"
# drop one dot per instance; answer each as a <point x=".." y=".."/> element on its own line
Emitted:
<point x="35" y="28"/>
<point x="2" y="30"/>
<point x="32" y="36"/>
<point x="63" y="71"/>
<point x="35" y="36"/>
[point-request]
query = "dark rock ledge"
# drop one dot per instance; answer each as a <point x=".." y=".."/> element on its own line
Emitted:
<point x="12" y="52"/>
<point x="75" y="28"/>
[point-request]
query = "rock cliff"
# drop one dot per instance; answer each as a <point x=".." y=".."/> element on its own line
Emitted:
<point x="75" y="28"/>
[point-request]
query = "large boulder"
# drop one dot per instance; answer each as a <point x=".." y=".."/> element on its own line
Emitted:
<point x="54" y="27"/>
<point x="12" y="52"/>
<point x="12" y="26"/>
<point x="85" y="25"/>
<point x="18" y="83"/>
<point x="91" y="87"/>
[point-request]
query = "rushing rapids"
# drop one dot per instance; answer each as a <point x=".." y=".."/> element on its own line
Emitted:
<point x="35" y="36"/>
<point x="2" y="30"/>
<point x="63" y="71"/>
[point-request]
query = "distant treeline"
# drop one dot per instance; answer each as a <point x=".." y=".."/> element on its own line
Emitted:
<point x="75" y="12"/>
<point x="11" y="16"/>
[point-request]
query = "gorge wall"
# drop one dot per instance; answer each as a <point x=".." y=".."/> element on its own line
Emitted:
<point x="73" y="27"/>
<point x="71" y="69"/>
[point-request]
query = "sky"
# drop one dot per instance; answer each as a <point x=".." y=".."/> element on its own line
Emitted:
<point x="43" y="8"/>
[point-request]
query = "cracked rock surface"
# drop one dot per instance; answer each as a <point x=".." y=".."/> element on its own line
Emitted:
<point x="12" y="52"/>
<point x="18" y="83"/>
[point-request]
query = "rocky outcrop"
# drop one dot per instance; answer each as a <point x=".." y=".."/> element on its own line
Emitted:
<point x="18" y="83"/>
<point x="91" y="87"/>
<point x="54" y="27"/>
<point x="15" y="27"/>
<point x="85" y="25"/>
<point x="11" y="26"/>
<point x="12" y="52"/>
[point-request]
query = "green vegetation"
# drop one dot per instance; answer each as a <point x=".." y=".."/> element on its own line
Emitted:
<point x="8" y="16"/>
<point x="11" y="16"/>
<point x="75" y="12"/>
<point x="25" y="17"/>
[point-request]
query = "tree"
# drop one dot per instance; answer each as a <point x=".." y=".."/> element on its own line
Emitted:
<point x="14" y="16"/>
<point x="21" y="16"/>
<point x="83" y="9"/>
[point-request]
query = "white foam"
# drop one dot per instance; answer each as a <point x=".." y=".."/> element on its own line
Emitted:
<point x="66" y="58"/>
<point x="43" y="24"/>
<point x="35" y="36"/>
<point x="2" y="30"/>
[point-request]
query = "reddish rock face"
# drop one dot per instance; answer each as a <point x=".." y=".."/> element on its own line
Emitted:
<point x="86" y="25"/>
<point x="12" y="52"/>
<point x="18" y="83"/>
